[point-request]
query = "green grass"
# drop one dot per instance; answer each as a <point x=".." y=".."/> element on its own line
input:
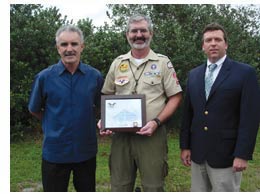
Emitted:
<point x="25" y="167"/>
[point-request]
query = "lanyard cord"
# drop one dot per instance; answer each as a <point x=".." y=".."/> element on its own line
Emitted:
<point x="136" y="80"/>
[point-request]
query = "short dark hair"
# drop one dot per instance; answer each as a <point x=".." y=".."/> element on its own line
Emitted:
<point x="212" y="27"/>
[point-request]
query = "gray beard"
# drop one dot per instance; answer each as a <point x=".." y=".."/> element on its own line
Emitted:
<point x="138" y="46"/>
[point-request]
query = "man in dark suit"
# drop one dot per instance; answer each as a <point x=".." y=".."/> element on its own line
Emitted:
<point x="221" y="117"/>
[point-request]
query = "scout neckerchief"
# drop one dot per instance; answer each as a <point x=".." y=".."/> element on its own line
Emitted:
<point x="136" y="80"/>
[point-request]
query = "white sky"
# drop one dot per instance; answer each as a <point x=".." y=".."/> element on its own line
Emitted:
<point x="95" y="10"/>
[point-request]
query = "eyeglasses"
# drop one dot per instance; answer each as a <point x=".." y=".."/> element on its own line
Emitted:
<point x="134" y="31"/>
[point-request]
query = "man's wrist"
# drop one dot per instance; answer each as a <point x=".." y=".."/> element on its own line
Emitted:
<point x="158" y="122"/>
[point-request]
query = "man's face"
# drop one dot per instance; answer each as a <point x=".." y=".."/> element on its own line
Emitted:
<point x="69" y="47"/>
<point x="214" y="45"/>
<point x="139" y="36"/>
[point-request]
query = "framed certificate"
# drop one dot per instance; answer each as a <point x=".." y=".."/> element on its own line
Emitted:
<point x="123" y="112"/>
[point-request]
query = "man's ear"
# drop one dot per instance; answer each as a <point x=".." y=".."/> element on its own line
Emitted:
<point x="82" y="45"/>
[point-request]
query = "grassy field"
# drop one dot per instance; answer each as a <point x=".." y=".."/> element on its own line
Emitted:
<point x="25" y="172"/>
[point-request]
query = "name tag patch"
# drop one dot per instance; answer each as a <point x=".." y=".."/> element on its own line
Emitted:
<point x="152" y="74"/>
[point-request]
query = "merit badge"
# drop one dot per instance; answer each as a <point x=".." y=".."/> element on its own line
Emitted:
<point x="122" y="80"/>
<point x="169" y="65"/>
<point x="123" y="67"/>
<point x="153" y="66"/>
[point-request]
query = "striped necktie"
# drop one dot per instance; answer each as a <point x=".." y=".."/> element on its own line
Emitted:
<point x="209" y="79"/>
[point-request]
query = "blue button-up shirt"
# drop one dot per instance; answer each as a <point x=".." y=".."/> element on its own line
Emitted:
<point x="68" y="102"/>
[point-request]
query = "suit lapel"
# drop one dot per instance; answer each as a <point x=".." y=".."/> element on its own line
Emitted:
<point x="222" y="75"/>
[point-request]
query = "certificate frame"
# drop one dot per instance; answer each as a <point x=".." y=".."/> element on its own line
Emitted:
<point x="123" y="113"/>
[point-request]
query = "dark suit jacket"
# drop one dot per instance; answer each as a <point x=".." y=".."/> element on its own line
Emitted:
<point x="225" y="126"/>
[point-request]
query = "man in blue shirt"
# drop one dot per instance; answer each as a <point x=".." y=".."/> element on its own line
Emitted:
<point x="64" y="97"/>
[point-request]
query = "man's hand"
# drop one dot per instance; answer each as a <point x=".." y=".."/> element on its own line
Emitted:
<point x="239" y="164"/>
<point x="103" y="132"/>
<point x="148" y="129"/>
<point x="185" y="157"/>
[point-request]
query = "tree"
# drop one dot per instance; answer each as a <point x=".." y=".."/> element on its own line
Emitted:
<point x="177" y="34"/>
<point x="178" y="31"/>
<point x="32" y="30"/>
<point x="103" y="46"/>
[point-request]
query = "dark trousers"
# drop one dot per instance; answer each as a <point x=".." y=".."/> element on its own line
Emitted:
<point x="56" y="176"/>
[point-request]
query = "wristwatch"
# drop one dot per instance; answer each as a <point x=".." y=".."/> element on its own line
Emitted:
<point x="158" y="122"/>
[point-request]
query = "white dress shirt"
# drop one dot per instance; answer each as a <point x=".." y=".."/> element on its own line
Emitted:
<point x="216" y="71"/>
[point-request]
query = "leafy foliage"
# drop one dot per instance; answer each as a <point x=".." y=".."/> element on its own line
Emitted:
<point x="177" y="30"/>
<point x="102" y="46"/>
<point x="32" y="32"/>
<point x="177" y="34"/>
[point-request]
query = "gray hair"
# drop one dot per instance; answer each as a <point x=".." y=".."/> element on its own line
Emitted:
<point x="137" y="18"/>
<point x="69" y="28"/>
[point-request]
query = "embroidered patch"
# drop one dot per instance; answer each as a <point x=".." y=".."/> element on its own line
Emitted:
<point x="123" y="67"/>
<point x="152" y="74"/>
<point x="122" y="80"/>
<point x="175" y="77"/>
<point x="148" y="73"/>
<point x="153" y="66"/>
<point x="169" y="65"/>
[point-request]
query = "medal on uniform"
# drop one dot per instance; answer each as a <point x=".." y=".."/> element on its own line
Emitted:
<point x="123" y="67"/>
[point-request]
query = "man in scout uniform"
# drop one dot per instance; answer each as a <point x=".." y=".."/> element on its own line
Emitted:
<point x="141" y="71"/>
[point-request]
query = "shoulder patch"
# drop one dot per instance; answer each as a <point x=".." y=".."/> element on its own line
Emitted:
<point x="169" y="65"/>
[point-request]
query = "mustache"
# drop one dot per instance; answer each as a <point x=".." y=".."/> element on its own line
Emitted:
<point x="139" y="38"/>
<point x="69" y="53"/>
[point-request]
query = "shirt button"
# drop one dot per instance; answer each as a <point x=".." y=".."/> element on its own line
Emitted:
<point x="151" y="82"/>
<point x="206" y="112"/>
<point x="205" y="128"/>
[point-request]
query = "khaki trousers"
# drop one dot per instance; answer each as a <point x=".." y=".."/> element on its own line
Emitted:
<point x="205" y="179"/>
<point x="130" y="152"/>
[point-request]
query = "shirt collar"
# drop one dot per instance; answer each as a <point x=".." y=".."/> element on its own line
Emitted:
<point x="61" y="68"/>
<point x="151" y="56"/>
<point x="219" y="62"/>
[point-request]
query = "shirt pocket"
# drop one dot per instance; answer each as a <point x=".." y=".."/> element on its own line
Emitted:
<point x="153" y="85"/>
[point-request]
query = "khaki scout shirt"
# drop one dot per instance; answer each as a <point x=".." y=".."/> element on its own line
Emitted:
<point x="157" y="80"/>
